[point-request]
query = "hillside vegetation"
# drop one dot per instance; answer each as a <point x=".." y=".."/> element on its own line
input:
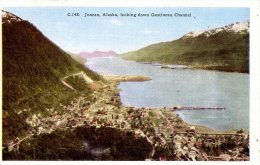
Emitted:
<point x="224" y="51"/>
<point x="33" y="67"/>
<point x="78" y="58"/>
<point x="84" y="144"/>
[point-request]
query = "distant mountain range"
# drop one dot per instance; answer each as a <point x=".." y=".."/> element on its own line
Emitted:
<point x="225" y="49"/>
<point x="33" y="67"/>
<point x="97" y="54"/>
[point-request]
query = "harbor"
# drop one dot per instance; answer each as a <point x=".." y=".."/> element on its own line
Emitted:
<point x="184" y="87"/>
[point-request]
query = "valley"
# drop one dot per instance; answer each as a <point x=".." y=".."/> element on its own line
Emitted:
<point x="56" y="107"/>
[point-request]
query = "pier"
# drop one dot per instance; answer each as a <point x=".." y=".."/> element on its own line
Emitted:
<point x="178" y="108"/>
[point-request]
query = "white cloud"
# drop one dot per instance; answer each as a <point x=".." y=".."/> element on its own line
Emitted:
<point x="116" y="22"/>
<point x="147" y="31"/>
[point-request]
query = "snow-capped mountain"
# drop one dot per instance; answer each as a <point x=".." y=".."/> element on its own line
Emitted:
<point x="234" y="27"/>
<point x="225" y="48"/>
<point x="9" y="17"/>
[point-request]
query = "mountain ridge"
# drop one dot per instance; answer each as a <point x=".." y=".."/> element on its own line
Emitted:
<point x="234" y="27"/>
<point x="33" y="67"/>
<point x="224" y="49"/>
<point x="96" y="53"/>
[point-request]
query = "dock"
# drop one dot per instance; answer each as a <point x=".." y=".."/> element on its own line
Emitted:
<point x="214" y="133"/>
<point x="178" y="108"/>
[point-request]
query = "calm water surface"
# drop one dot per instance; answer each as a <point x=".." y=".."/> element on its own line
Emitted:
<point x="187" y="87"/>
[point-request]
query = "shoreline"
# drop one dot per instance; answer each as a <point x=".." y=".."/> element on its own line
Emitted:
<point x="139" y="78"/>
<point x="127" y="78"/>
<point x="182" y="67"/>
<point x="159" y="126"/>
<point x="174" y="126"/>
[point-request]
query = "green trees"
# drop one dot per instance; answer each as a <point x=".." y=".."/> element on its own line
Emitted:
<point x="225" y="51"/>
<point x="32" y="69"/>
<point x="69" y="145"/>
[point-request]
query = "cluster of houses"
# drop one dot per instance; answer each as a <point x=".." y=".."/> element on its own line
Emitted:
<point x="158" y="126"/>
<point x="81" y="112"/>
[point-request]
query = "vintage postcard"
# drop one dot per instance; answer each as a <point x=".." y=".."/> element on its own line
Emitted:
<point x="159" y="81"/>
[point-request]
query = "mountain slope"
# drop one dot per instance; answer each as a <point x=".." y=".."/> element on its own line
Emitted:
<point x="225" y="49"/>
<point x="33" y="67"/>
<point x="78" y="58"/>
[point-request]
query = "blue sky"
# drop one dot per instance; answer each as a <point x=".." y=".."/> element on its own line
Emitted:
<point x="122" y="34"/>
